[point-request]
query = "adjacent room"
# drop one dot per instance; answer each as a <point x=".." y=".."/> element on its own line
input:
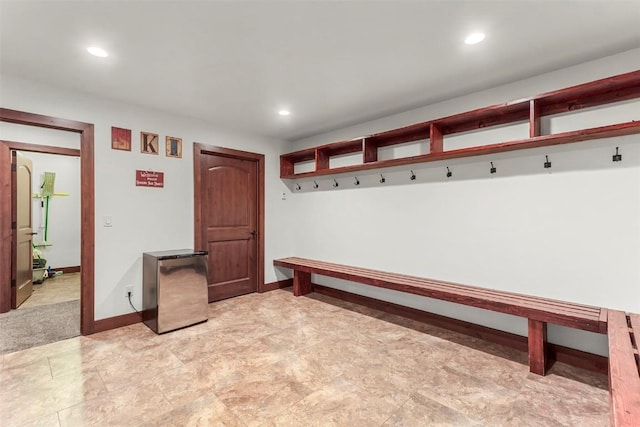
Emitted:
<point x="405" y="213"/>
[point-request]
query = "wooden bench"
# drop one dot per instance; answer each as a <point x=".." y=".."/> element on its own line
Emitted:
<point x="624" y="368"/>
<point x="538" y="311"/>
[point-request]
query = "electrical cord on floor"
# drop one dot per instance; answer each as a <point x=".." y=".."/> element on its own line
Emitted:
<point x="130" y="303"/>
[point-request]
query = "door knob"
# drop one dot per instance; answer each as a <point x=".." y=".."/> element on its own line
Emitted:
<point x="253" y="233"/>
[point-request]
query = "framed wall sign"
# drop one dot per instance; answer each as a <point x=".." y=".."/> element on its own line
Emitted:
<point x="148" y="143"/>
<point x="120" y="139"/>
<point x="174" y="147"/>
<point x="149" y="179"/>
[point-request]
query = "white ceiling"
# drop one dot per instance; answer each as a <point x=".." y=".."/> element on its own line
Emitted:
<point x="332" y="64"/>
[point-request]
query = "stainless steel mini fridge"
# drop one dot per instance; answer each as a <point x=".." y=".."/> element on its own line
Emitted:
<point x="174" y="289"/>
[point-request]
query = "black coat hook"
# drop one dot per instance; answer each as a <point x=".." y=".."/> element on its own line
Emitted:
<point x="298" y="187"/>
<point x="547" y="163"/>
<point x="315" y="184"/>
<point x="617" y="157"/>
<point x="493" y="168"/>
<point x="335" y="183"/>
<point x="382" y="180"/>
<point x="413" y="176"/>
<point x="449" y="173"/>
<point x="357" y="181"/>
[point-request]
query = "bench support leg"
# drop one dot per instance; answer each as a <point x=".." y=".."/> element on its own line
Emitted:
<point x="537" y="347"/>
<point x="301" y="283"/>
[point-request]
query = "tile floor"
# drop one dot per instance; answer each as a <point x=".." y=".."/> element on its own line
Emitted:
<point x="276" y="360"/>
<point x="65" y="287"/>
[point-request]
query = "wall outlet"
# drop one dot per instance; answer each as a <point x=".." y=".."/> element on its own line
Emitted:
<point x="128" y="290"/>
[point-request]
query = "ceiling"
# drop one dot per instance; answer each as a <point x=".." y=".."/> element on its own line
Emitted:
<point x="333" y="64"/>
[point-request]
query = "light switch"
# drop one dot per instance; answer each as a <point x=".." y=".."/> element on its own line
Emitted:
<point x="107" y="221"/>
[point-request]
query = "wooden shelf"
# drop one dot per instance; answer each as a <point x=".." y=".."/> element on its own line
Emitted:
<point x="600" y="92"/>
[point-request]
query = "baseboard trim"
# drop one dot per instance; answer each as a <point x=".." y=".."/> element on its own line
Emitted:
<point x="577" y="358"/>
<point x="116" y="322"/>
<point x="276" y="285"/>
<point x="67" y="270"/>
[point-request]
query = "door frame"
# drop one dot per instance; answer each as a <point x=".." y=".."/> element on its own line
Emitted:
<point x="200" y="150"/>
<point x="87" y="204"/>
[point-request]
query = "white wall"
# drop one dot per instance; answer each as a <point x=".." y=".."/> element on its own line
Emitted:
<point x="64" y="211"/>
<point x="144" y="219"/>
<point x="571" y="232"/>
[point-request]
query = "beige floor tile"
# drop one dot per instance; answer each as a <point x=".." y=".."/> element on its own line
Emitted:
<point x="50" y="420"/>
<point x="135" y="367"/>
<point x="274" y="359"/>
<point x="17" y="378"/>
<point x="65" y="287"/>
<point x="420" y="411"/>
<point x="126" y="407"/>
<point x="205" y="411"/>
<point x="262" y="394"/>
<point x="43" y="398"/>
<point x="89" y="356"/>
<point x="340" y="403"/>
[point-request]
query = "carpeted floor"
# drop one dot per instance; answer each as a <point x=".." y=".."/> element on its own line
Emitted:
<point x="30" y="327"/>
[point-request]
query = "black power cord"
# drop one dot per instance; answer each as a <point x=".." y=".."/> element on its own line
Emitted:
<point x="130" y="303"/>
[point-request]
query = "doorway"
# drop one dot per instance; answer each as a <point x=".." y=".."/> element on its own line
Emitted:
<point x="47" y="216"/>
<point x="86" y="153"/>
<point x="229" y="218"/>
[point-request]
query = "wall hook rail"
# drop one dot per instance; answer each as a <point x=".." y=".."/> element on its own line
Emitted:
<point x="357" y="181"/>
<point x="449" y="173"/>
<point x="413" y="176"/>
<point x="335" y="183"/>
<point x="315" y="184"/>
<point x="547" y="163"/>
<point x="382" y="179"/>
<point x="617" y="157"/>
<point x="493" y="168"/>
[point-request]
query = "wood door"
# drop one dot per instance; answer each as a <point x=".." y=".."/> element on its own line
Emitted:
<point x="22" y="232"/>
<point x="229" y="224"/>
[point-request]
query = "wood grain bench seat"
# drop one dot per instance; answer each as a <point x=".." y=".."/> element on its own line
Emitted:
<point x="624" y="368"/>
<point x="538" y="311"/>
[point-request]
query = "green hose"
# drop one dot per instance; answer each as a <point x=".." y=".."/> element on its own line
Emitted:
<point x="46" y="220"/>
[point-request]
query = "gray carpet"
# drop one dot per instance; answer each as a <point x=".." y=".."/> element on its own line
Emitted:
<point x="34" y="326"/>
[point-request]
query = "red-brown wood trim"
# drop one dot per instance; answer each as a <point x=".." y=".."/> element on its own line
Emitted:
<point x="620" y="129"/>
<point x="534" y="118"/>
<point x="287" y="166"/>
<point x="14" y="234"/>
<point x="5" y="228"/>
<point x="301" y="283"/>
<point x="577" y="358"/>
<point x="48" y="149"/>
<point x="280" y="284"/>
<point x="87" y="203"/>
<point x="117" y="322"/>
<point x="600" y="92"/>
<point x="322" y="159"/>
<point x="68" y="270"/>
<point x="369" y="151"/>
<point x="199" y="242"/>
<point x="542" y="309"/>
<point x="624" y="379"/>
<point x="436" y="141"/>
<point x="537" y="339"/>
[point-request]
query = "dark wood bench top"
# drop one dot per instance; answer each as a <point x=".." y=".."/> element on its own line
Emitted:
<point x="569" y="314"/>
<point x="624" y="368"/>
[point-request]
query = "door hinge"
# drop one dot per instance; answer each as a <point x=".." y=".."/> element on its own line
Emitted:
<point x="13" y="283"/>
<point x="14" y="225"/>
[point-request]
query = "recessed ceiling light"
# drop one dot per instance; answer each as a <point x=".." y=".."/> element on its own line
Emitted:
<point x="474" y="38"/>
<point x="284" y="112"/>
<point x="96" y="51"/>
